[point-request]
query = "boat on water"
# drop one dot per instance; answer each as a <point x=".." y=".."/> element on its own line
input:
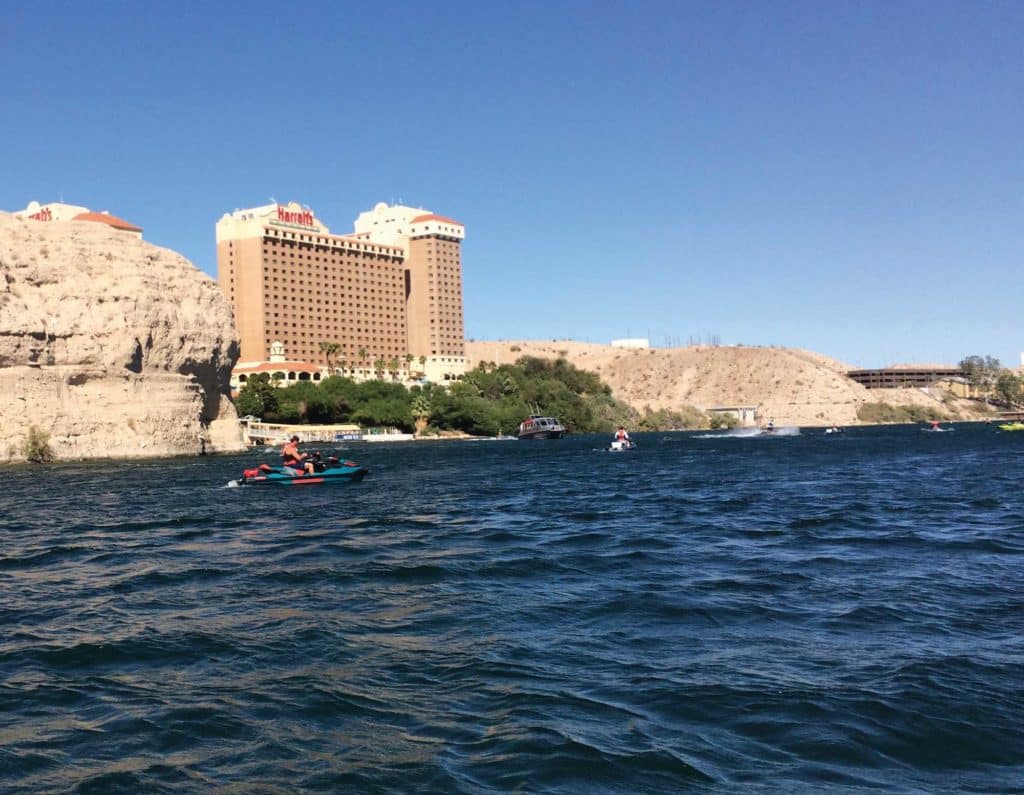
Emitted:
<point x="620" y="446"/>
<point x="1012" y="426"/>
<point x="330" y="470"/>
<point x="537" y="427"/>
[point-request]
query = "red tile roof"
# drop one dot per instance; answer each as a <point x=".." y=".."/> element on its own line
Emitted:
<point x="110" y="220"/>
<point x="434" y="217"/>
<point x="269" y="367"/>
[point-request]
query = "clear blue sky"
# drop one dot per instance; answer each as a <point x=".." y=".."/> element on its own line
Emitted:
<point x="844" y="177"/>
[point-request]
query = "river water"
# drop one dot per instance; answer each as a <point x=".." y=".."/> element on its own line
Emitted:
<point x="793" y="613"/>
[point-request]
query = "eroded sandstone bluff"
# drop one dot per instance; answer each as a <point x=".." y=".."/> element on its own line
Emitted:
<point x="791" y="386"/>
<point x="112" y="346"/>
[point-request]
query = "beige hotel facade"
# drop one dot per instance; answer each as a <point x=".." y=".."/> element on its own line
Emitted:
<point x="390" y="289"/>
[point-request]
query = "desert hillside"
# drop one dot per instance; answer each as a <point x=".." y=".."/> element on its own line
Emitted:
<point x="795" y="387"/>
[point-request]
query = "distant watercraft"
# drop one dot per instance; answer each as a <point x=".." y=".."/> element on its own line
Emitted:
<point x="620" y="447"/>
<point x="1012" y="426"/>
<point x="537" y="427"/>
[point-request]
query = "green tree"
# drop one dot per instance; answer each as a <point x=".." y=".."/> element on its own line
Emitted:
<point x="363" y="356"/>
<point x="379" y="366"/>
<point x="420" y="411"/>
<point x="465" y="412"/>
<point x="393" y="367"/>
<point x="248" y="403"/>
<point x="508" y="384"/>
<point x="1010" y="388"/>
<point x="304" y="401"/>
<point x="723" y="421"/>
<point x="330" y="350"/>
<point x="384" y="412"/>
<point x="981" y="372"/>
<point x="490" y="400"/>
<point x="337" y="396"/>
<point x="257" y="397"/>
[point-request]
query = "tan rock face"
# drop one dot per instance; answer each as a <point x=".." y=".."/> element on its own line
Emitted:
<point x="113" y="346"/>
<point x="793" y="387"/>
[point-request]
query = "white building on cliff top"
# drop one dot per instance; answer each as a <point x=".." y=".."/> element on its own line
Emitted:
<point x="58" y="211"/>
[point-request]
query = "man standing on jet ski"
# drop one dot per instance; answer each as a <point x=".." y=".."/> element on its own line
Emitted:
<point x="622" y="435"/>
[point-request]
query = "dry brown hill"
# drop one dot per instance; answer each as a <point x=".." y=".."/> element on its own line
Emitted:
<point x="795" y="387"/>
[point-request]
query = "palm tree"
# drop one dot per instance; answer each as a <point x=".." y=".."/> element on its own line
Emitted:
<point x="363" y="355"/>
<point x="420" y="410"/>
<point x="408" y="365"/>
<point x="379" y="366"/>
<point x="393" y="367"/>
<point x="330" y="351"/>
<point x="423" y="365"/>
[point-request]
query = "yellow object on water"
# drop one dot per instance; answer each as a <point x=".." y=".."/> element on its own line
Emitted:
<point x="1012" y="426"/>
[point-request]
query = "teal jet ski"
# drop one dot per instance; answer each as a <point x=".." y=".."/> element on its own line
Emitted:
<point x="330" y="470"/>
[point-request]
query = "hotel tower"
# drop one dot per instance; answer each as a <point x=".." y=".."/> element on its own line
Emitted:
<point x="390" y="289"/>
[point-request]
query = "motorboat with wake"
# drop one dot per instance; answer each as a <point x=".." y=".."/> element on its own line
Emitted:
<point x="1012" y="426"/>
<point x="329" y="470"/>
<point x="537" y="427"/>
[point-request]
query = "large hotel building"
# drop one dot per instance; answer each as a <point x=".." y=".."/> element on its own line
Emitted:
<point x="389" y="291"/>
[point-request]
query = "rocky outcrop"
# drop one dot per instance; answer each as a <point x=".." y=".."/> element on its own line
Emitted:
<point x="112" y="346"/>
<point x="791" y="386"/>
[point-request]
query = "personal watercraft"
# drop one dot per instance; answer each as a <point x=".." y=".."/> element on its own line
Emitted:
<point x="330" y="470"/>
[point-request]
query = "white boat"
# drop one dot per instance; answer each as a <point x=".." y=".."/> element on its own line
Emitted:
<point x="388" y="437"/>
<point x="537" y="427"/>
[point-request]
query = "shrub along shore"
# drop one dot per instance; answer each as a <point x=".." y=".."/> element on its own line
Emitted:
<point x="488" y="401"/>
<point x="492" y="400"/>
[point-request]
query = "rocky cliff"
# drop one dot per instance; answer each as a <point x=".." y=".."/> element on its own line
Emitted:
<point x="794" y="387"/>
<point x="112" y="346"/>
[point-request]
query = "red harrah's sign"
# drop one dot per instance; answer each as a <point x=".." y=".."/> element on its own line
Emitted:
<point x="43" y="215"/>
<point x="305" y="218"/>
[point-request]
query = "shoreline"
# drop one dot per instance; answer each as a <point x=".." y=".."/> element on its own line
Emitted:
<point x="456" y="436"/>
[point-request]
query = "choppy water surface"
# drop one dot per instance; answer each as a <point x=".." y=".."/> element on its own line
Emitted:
<point x="792" y="613"/>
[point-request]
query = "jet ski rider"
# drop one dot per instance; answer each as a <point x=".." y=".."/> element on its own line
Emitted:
<point x="292" y="459"/>
<point x="622" y="435"/>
